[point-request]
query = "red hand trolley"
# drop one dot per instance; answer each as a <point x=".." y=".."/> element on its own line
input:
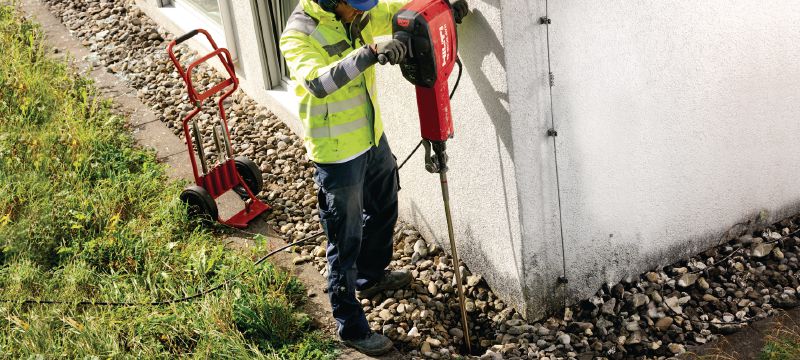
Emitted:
<point x="239" y="174"/>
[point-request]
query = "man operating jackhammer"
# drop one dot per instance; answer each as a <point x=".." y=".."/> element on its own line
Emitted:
<point x="329" y="49"/>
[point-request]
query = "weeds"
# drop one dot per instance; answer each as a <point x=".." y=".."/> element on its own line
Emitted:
<point x="783" y="343"/>
<point x="84" y="214"/>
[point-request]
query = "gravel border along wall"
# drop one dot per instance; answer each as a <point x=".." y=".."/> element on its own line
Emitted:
<point x="654" y="316"/>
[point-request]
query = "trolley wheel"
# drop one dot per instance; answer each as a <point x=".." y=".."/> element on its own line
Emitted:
<point x="251" y="175"/>
<point x="199" y="204"/>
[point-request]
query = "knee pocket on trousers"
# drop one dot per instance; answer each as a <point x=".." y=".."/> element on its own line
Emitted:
<point x="338" y="290"/>
<point x="396" y="173"/>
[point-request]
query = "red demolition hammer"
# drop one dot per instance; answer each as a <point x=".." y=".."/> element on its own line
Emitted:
<point x="428" y="28"/>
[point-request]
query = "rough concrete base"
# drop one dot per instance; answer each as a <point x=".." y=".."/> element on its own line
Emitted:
<point x="151" y="133"/>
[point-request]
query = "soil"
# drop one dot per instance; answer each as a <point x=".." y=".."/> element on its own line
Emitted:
<point x="748" y="342"/>
<point x="317" y="305"/>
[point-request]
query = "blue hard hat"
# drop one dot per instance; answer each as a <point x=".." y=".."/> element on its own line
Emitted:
<point x="362" y="5"/>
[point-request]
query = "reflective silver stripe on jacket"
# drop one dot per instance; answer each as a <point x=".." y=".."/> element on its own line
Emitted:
<point x="316" y="35"/>
<point x="337" y="106"/>
<point x="331" y="49"/>
<point x="336" y="130"/>
<point x="345" y="71"/>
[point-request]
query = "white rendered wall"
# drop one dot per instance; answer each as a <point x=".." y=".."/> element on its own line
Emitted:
<point x="483" y="172"/>
<point x="676" y="120"/>
<point x="539" y="249"/>
<point x="482" y="176"/>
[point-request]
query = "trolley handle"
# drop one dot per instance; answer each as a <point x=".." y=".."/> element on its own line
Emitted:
<point x="222" y="54"/>
<point x="186" y="36"/>
<point x="170" y="51"/>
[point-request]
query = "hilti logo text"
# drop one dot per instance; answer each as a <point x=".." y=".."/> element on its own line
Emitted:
<point x="443" y="38"/>
<point x="403" y="22"/>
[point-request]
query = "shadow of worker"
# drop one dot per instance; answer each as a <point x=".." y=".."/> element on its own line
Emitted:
<point x="477" y="40"/>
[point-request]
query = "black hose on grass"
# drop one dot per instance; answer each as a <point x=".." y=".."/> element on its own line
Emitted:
<point x="172" y="301"/>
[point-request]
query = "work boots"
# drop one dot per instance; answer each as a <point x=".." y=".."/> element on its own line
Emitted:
<point x="373" y="344"/>
<point x="392" y="280"/>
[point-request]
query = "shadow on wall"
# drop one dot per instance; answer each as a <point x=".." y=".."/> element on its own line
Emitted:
<point x="477" y="41"/>
<point x="480" y="48"/>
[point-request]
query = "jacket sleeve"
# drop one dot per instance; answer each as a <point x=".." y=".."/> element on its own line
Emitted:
<point x="309" y="66"/>
<point x="381" y="16"/>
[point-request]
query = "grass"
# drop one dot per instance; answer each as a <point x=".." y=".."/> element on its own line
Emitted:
<point x="781" y="341"/>
<point x="86" y="215"/>
<point x="782" y="344"/>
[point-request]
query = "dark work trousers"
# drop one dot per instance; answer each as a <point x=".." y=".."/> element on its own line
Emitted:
<point x="358" y="211"/>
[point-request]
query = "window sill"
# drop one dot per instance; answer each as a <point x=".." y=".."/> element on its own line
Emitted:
<point x="285" y="97"/>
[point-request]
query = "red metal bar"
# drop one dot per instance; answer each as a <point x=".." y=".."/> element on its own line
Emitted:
<point x="223" y="54"/>
<point x="214" y="90"/>
<point x="218" y="188"/>
<point x="207" y="184"/>
<point x="188" y="138"/>
<point x="227" y="182"/>
<point x="242" y="218"/>
<point x="226" y="62"/>
<point x="221" y="178"/>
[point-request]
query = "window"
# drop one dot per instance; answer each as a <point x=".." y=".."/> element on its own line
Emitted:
<point x="209" y="8"/>
<point x="215" y="16"/>
<point x="271" y="17"/>
<point x="285" y="10"/>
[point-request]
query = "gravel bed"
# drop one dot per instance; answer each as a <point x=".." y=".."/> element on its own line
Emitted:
<point x="656" y="315"/>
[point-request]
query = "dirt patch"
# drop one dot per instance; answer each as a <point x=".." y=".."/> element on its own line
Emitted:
<point x="748" y="342"/>
<point x="317" y="306"/>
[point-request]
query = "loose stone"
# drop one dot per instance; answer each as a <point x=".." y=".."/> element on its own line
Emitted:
<point x="654" y="315"/>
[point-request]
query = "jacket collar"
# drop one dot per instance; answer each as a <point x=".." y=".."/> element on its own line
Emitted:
<point x="315" y="11"/>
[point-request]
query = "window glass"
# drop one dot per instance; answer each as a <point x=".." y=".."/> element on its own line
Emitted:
<point x="286" y="8"/>
<point x="209" y="8"/>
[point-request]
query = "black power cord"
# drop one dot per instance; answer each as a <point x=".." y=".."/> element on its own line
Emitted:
<point x="172" y="301"/>
<point x="458" y="79"/>
<point x="228" y="280"/>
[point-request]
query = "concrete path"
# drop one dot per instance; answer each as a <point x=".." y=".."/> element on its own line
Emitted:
<point x="152" y="133"/>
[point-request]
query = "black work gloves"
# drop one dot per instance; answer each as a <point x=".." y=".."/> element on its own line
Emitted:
<point x="460" y="10"/>
<point x="391" y="51"/>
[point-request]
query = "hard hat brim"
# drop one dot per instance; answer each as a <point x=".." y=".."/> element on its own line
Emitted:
<point x="363" y="5"/>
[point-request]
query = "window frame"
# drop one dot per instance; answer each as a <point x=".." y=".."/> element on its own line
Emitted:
<point x="188" y="18"/>
<point x="269" y="25"/>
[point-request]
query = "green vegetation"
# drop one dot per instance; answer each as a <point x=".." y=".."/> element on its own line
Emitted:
<point x="782" y="344"/>
<point x="84" y="214"/>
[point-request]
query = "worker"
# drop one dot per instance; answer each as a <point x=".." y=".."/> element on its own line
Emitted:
<point x="330" y="51"/>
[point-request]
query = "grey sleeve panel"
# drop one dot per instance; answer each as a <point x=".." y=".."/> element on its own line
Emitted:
<point x="301" y="22"/>
<point x="336" y="49"/>
<point x="345" y="71"/>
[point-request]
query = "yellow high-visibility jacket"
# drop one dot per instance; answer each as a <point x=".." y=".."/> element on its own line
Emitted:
<point x="335" y="79"/>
